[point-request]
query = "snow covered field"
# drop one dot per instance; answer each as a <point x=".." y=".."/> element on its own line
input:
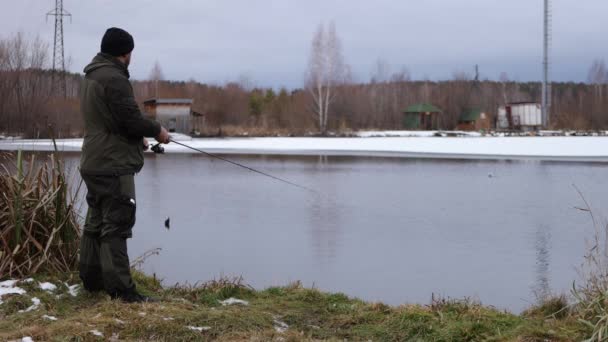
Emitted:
<point x="468" y="147"/>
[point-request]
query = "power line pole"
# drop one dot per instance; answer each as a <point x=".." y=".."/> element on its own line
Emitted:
<point x="546" y="89"/>
<point x="59" y="80"/>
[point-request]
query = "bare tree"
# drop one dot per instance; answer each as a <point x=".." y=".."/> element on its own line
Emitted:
<point x="156" y="75"/>
<point x="381" y="71"/>
<point x="598" y="76"/>
<point x="24" y="81"/>
<point x="504" y="80"/>
<point x="326" y="70"/>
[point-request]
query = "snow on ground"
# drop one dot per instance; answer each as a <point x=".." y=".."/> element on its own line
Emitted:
<point x="544" y="148"/>
<point x="280" y="326"/>
<point x="8" y="287"/>
<point x="96" y="332"/>
<point x="199" y="329"/>
<point x="50" y="318"/>
<point x="46" y="286"/>
<point x="35" y="305"/>
<point x="8" y="283"/>
<point x="233" y="301"/>
<point x="73" y="289"/>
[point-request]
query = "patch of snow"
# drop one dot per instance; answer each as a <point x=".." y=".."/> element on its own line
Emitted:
<point x="50" y="318"/>
<point x="27" y="339"/>
<point x="10" y="290"/>
<point x="28" y="280"/>
<point x="8" y="283"/>
<point x="280" y="326"/>
<point x="35" y="305"/>
<point x="168" y="318"/>
<point x="199" y="329"/>
<point x="96" y="332"/>
<point x="46" y="286"/>
<point x="73" y="289"/>
<point x="232" y="301"/>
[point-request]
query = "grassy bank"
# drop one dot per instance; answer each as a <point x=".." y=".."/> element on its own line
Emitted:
<point x="289" y="313"/>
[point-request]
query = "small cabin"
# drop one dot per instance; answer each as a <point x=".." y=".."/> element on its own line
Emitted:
<point x="522" y="116"/>
<point x="474" y="120"/>
<point x="174" y="114"/>
<point x="422" y="116"/>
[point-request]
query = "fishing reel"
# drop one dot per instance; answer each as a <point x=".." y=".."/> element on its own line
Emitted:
<point x="158" y="149"/>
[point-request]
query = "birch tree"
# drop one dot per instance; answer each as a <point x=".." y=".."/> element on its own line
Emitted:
<point x="326" y="70"/>
<point x="598" y="76"/>
<point x="156" y="75"/>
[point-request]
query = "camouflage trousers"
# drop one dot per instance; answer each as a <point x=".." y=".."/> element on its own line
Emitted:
<point x="104" y="261"/>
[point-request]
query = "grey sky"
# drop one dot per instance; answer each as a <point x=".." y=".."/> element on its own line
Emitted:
<point x="269" y="40"/>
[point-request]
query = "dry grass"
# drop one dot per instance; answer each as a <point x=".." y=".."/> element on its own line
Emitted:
<point x="308" y="314"/>
<point x="591" y="295"/>
<point x="38" y="223"/>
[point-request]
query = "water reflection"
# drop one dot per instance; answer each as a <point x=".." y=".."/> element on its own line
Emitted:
<point x="542" y="289"/>
<point x="324" y="225"/>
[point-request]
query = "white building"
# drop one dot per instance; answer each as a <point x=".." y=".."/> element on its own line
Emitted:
<point x="525" y="116"/>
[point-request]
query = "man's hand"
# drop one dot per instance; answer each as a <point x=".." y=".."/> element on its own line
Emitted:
<point x="163" y="137"/>
<point x="146" y="144"/>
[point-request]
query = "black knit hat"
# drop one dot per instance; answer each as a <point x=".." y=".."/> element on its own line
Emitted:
<point x="117" y="42"/>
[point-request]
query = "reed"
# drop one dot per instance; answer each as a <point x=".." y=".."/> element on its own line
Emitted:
<point x="591" y="294"/>
<point x="39" y="229"/>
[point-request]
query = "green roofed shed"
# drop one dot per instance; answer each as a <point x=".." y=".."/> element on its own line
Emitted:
<point x="473" y="119"/>
<point x="470" y="115"/>
<point x="421" y="116"/>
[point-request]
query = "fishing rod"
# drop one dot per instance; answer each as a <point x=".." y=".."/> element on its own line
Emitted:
<point x="159" y="149"/>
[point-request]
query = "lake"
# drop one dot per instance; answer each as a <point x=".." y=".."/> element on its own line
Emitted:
<point x="395" y="230"/>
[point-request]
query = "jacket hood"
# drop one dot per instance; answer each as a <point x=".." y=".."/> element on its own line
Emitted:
<point x="105" y="60"/>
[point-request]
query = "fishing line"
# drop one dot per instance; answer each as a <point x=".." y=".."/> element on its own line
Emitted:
<point x="245" y="167"/>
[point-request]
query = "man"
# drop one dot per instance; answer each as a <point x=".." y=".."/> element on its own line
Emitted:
<point x="112" y="153"/>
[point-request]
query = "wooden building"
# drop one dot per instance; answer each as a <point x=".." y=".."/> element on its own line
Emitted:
<point x="422" y="116"/>
<point x="474" y="120"/>
<point x="175" y="114"/>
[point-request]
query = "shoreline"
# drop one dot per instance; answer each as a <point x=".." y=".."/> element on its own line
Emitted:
<point x="560" y="149"/>
<point x="228" y="309"/>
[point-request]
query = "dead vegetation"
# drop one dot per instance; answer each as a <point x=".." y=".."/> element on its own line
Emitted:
<point x="39" y="230"/>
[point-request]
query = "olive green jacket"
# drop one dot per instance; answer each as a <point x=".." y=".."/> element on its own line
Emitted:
<point x="113" y="124"/>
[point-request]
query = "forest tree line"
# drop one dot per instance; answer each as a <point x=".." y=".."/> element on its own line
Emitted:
<point x="30" y="100"/>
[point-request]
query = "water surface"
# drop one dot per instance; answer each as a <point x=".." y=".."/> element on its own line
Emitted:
<point x="395" y="230"/>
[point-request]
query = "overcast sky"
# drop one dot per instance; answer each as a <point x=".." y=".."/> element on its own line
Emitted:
<point x="268" y="41"/>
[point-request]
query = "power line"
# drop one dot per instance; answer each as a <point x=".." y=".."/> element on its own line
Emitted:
<point x="59" y="79"/>
<point x="546" y="89"/>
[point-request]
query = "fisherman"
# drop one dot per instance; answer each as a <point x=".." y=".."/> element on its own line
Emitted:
<point x="112" y="153"/>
